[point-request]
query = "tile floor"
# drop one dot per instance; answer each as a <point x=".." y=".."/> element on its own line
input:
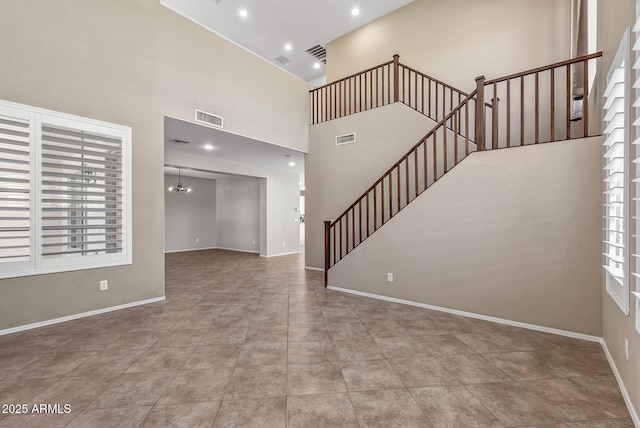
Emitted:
<point x="243" y="341"/>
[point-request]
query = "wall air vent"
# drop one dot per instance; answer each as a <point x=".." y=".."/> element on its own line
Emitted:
<point x="345" y="139"/>
<point x="319" y="53"/>
<point x="208" y="118"/>
<point x="282" y="59"/>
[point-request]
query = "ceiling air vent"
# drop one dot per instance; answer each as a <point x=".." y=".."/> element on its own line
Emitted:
<point x="345" y="139"/>
<point x="282" y="59"/>
<point x="319" y="53"/>
<point x="208" y="118"/>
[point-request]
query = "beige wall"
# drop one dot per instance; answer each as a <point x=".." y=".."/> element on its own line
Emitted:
<point x="131" y="63"/>
<point x="336" y="175"/>
<point x="613" y="18"/>
<point x="512" y="234"/>
<point x="457" y="40"/>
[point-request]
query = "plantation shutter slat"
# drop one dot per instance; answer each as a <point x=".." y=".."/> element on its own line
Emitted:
<point x="82" y="195"/>
<point x="15" y="190"/>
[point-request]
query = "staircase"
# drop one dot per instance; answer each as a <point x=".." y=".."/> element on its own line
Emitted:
<point x="531" y="107"/>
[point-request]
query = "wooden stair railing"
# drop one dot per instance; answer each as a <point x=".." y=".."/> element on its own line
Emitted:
<point x="535" y="106"/>
<point x="527" y="114"/>
<point x="381" y="85"/>
<point x="441" y="149"/>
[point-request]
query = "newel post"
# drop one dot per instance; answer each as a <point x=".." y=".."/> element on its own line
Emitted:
<point x="327" y="250"/>
<point x="396" y="78"/>
<point x="480" y="117"/>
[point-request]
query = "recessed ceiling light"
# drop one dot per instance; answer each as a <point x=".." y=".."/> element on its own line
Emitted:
<point x="316" y="65"/>
<point x="288" y="47"/>
<point x="243" y="13"/>
<point x="208" y="146"/>
<point x="292" y="163"/>
<point x="355" y="11"/>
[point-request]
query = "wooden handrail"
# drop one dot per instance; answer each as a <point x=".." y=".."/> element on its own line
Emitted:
<point x="352" y="76"/>
<point x="380" y="85"/>
<point x="405" y="157"/>
<point x="544" y="68"/>
<point x="439" y="82"/>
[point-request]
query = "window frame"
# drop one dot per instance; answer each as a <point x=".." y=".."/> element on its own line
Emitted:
<point x="37" y="264"/>
<point x="618" y="290"/>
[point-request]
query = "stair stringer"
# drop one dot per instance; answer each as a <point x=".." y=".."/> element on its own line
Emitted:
<point x="511" y="234"/>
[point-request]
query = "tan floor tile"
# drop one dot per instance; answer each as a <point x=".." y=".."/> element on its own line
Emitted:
<point x="253" y="413"/>
<point x="608" y="423"/>
<point x="194" y="386"/>
<point x="606" y="388"/>
<point x="575" y="364"/>
<point x="263" y="354"/>
<point x="321" y="411"/>
<point x="445" y="344"/>
<point x="487" y="343"/>
<point x="311" y="352"/>
<point x="314" y="378"/>
<point x="193" y="415"/>
<point x="13" y="363"/>
<point x="418" y="372"/>
<point x="515" y="405"/>
<point x="181" y="338"/>
<point x="133" y="389"/>
<point x="137" y="340"/>
<point x="129" y="417"/>
<point x="38" y="420"/>
<point x="522" y="366"/>
<point x="77" y="392"/>
<point x="346" y="330"/>
<point x="160" y="359"/>
<point x="258" y="381"/>
<point x="473" y="368"/>
<point x="454" y="407"/>
<point x="204" y="357"/>
<point x="52" y="365"/>
<point x="107" y="362"/>
<point x="423" y="327"/>
<point x="370" y="375"/>
<point x="303" y="332"/>
<point x="570" y="399"/>
<point x="357" y="349"/>
<point x="391" y="328"/>
<point x="401" y="347"/>
<point x="389" y="408"/>
<point x="22" y="390"/>
<point x="525" y="340"/>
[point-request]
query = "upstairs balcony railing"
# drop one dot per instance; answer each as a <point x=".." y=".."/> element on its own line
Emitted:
<point x="384" y="84"/>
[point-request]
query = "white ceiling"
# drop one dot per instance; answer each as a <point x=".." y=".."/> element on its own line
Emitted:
<point x="226" y="146"/>
<point x="270" y="25"/>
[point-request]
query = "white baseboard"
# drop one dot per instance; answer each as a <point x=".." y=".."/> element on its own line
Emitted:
<point x="211" y="248"/>
<point x="78" y="316"/>
<point x="472" y="315"/>
<point x="239" y="251"/>
<point x="623" y="390"/>
<point x="189" y="249"/>
<point x="281" y="254"/>
<point x="314" y="268"/>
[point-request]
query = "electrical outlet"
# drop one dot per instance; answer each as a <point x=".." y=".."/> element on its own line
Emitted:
<point x="626" y="348"/>
<point x="197" y="239"/>
<point x="104" y="285"/>
<point x="283" y="244"/>
<point x="389" y="277"/>
<point x="254" y="242"/>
